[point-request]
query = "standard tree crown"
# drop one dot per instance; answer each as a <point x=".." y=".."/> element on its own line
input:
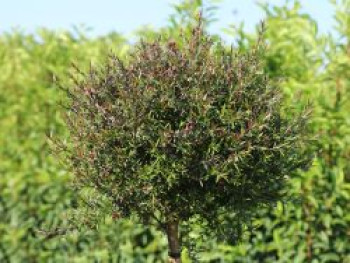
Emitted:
<point x="181" y="130"/>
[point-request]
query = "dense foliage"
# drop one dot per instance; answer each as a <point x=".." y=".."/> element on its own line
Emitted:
<point x="182" y="132"/>
<point x="34" y="190"/>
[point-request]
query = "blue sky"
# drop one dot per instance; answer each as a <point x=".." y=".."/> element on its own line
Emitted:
<point x="125" y="16"/>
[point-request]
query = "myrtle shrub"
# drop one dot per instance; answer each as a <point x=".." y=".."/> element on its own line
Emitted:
<point x="177" y="133"/>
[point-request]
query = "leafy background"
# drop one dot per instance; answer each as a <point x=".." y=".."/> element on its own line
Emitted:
<point x="35" y="193"/>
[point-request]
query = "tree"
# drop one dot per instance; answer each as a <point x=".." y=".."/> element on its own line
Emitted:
<point x="182" y="132"/>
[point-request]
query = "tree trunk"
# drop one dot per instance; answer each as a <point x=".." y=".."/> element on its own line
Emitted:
<point x="173" y="242"/>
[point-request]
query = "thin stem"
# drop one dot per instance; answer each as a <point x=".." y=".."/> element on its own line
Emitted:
<point x="173" y="242"/>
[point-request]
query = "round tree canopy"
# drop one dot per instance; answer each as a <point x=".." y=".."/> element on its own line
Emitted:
<point x="182" y="130"/>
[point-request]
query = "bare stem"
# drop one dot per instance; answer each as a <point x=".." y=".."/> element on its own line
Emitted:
<point x="173" y="242"/>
